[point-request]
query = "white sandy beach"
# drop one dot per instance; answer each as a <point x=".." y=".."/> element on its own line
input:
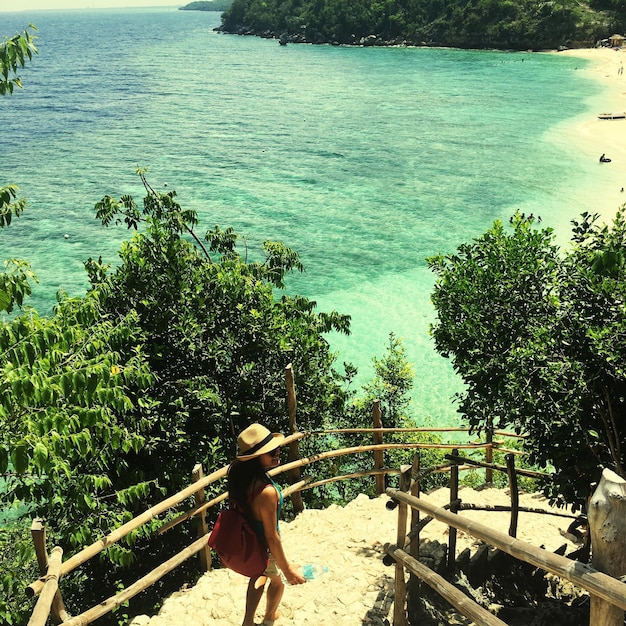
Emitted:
<point x="591" y="136"/>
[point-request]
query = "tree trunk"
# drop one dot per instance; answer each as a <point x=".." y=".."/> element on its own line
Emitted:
<point x="607" y="525"/>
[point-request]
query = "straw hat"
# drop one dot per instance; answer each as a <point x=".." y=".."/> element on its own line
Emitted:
<point x="257" y="440"/>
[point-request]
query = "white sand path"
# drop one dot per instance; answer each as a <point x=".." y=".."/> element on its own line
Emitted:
<point x="358" y="588"/>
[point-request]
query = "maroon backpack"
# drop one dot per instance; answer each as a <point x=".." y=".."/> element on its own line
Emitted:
<point x="238" y="545"/>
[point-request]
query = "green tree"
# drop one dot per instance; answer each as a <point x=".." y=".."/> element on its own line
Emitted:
<point x="14" y="52"/>
<point x="14" y="280"/>
<point x="66" y="442"/>
<point x="16" y="554"/>
<point x="537" y="335"/>
<point x="217" y="335"/>
<point x="391" y="385"/>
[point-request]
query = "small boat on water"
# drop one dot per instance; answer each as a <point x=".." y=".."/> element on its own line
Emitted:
<point x="612" y="116"/>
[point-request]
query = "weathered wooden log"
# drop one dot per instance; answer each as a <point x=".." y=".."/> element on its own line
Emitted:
<point x="369" y="448"/>
<point x="489" y="453"/>
<point x="422" y="473"/>
<point x="334" y="479"/>
<point x="510" y="466"/>
<point x="203" y="529"/>
<point x="413" y="536"/>
<point x="415" y="514"/>
<point x="413" y="589"/>
<point x="454" y="497"/>
<point x="463" y="603"/>
<point x="607" y="525"/>
<point x="399" y="603"/>
<point x="38" y="533"/>
<point x="299" y="486"/>
<point x="500" y="468"/>
<point x="84" y="555"/>
<point x="199" y="508"/>
<point x="515" y="452"/>
<point x="469" y="506"/>
<point x="296" y="487"/>
<point x="414" y="429"/>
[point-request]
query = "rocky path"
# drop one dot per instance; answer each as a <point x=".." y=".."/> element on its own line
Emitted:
<point x="358" y="588"/>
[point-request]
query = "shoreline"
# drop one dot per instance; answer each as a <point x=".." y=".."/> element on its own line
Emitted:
<point x="604" y="191"/>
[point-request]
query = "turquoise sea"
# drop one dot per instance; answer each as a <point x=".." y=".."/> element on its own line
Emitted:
<point x="364" y="160"/>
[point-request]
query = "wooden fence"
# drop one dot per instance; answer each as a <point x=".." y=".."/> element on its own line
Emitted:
<point x="608" y="594"/>
<point x="53" y="568"/>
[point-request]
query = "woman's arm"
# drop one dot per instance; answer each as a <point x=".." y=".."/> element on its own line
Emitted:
<point x="265" y="505"/>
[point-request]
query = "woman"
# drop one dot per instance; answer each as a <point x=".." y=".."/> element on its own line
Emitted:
<point x="251" y="487"/>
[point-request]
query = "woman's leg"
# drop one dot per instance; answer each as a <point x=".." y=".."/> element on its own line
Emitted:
<point x="253" y="597"/>
<point x="274" y="596"/>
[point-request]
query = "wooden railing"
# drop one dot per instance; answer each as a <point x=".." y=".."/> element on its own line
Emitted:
<point x="608" y="594"/>
<point x="53" y="568"/>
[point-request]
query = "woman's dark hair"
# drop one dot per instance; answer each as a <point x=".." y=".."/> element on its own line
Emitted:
<point x="241" y="477"/>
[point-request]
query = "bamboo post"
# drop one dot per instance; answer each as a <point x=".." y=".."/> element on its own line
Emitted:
<point x="510" y="470"/>
<point x="607" y="525"/>
<point x="379" y="455"/>
<point x="203" y="528"/>
<point x="399" y="612"/>
<point x="489" y="452"/>
<point x="415" y="514"/>
<point x="38" y="533"/>
<point x="42" y="609"/>
<point x="295" y="475"/>
<point x="454" y="497"/>
<point x="414" y="545"/>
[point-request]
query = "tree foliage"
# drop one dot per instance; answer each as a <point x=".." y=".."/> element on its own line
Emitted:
<point x="537" y="334"/>
<point x="467" y="24"/>
<point x="391" y="386"/>
<point x="207" y="5"/>
<point x="14" y="52"/>
<point x="66" y="437"/>
<point x="110" y="402"/>
<point x="218" y="337"/>
<point x="15" y="549"/>
<point x="15" y="279"/>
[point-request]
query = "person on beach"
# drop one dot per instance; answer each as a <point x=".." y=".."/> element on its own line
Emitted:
<point x="251" y="487"/>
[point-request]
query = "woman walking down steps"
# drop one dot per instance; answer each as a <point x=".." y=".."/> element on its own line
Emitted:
<point x="358" y="588"/>
<point x="251" y="488"/>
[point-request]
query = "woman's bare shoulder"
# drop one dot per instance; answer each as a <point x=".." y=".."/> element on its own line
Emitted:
<point x="267" y="493"/>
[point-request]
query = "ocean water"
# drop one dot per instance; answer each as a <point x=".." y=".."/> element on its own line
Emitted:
<point x="364" y="160"/>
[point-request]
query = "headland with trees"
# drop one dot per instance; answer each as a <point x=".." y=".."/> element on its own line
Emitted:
<point x="497" y="24"/>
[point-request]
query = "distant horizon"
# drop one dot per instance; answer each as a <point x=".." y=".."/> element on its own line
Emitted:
<point x="50" y="5"/>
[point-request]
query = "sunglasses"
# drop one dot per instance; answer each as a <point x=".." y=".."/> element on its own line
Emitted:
<point x="275" y="452"/>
